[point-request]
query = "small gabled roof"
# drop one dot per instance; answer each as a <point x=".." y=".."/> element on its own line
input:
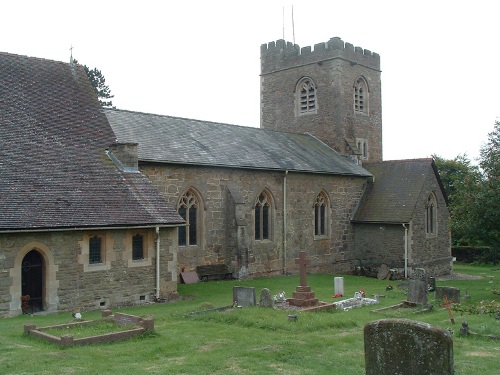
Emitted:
<point x="178" y="140"/>
<point x="397" y="185"/>
<point x="54" y="171"/>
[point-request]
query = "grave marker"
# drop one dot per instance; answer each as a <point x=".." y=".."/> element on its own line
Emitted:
<point x="406" y="347"/>
<point x="244" y="296"/>
<point x="452" y="294"/>
<point x="303" y="296"/>
<point x="266" y="298"/>
<point x="418" y="289"/>
<point x="338" y="286"/>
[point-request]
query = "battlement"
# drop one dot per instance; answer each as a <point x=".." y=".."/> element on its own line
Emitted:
<point x="282" y="55"/>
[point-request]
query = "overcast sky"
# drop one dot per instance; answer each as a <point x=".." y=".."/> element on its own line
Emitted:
<point x="440" y="59"/>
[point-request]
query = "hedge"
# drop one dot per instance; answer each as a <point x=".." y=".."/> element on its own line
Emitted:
<point x="483" y="254"/>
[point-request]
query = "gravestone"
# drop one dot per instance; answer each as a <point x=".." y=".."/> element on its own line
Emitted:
<point x="452" y="294"/>
<point x="243" y="296"/>
<point x="338" y="286"/>
<point x="303" y="296"/>
<point x="384" y="273"/>
<point x="418" y="289"/>
<point x="266" y="298"/>
<point x="407" y="347"/>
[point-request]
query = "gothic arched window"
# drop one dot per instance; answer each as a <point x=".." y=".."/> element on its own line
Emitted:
<point x="361" y="96"/>
<point x="321" y="215"/>
<point x="306" y="96"/>
<point x="263" y="212"/>
<point x="431" y="215"/>
<point x="188" y="209"/>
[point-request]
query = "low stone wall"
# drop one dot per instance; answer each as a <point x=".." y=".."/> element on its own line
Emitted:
<point x="141" y="325"/>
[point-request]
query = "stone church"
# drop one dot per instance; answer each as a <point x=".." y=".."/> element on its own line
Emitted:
<point x="103" y="207"/>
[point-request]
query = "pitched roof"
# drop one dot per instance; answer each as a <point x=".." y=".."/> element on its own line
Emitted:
<point x="54" y="171"/>
<point x="393" y="195"/>
<point x="186" y="141"/>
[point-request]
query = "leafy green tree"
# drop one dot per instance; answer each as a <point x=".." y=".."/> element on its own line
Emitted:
<point x="98" y="82"/>
<point x="475" y="208"/>
<point x="454" y="172"/>
<point x="489" y="197"/>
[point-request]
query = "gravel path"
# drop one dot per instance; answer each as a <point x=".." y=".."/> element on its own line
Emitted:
<point x="458" y="276"/>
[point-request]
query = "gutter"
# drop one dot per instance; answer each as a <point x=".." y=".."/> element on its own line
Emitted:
<point x="88" y="228"/>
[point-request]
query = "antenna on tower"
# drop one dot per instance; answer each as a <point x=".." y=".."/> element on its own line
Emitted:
<point x="293" y="27"/>
<point x="283" y="23"/>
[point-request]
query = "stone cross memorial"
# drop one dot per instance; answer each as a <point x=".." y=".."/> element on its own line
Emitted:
<point x="303" y="296"/>
<point x="407" y="347"/>
<point x="302" y="261"/>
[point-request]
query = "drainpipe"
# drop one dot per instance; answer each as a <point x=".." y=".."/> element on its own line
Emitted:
<point x="406" y="251"/>
<point x="284" y="222"/>
<point x="157" y="263"/>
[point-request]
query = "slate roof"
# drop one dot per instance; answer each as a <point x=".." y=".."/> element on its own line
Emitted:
<point x="54" y="172"/>
<point x="186" y="141"/>
<point x="397" y="187"/>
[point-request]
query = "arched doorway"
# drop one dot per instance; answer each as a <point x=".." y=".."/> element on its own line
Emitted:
<point x="32" y="279"/>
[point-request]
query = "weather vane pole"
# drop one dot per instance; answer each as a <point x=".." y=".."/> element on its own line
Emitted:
<point x="71" y="54"/>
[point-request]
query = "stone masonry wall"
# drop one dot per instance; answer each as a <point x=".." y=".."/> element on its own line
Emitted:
<point x="217" y="241"/>
<point x="334" y="67"/>
<point x="378" y="244"/>
<point x="72" y="284"/>
<point x="432" y="252"/>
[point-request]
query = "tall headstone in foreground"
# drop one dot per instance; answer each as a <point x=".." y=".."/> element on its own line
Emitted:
<point x="407" y="347"/>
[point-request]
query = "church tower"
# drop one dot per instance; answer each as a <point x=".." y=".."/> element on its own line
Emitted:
<point x="332" y="92"/>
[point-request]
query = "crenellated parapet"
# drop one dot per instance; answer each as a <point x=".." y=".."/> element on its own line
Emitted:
<point x="282" y="55"/>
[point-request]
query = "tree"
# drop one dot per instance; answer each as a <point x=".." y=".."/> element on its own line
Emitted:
<point x="475" y="208"/>
<point x="454" y="172"/>
<point x="98" y="82"/>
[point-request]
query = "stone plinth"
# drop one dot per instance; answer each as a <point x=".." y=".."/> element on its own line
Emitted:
<point x="303" y="297"/>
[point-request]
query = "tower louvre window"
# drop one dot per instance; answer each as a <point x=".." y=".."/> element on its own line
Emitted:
<point x="306" y="96"/>
<point x="361" y="96"/>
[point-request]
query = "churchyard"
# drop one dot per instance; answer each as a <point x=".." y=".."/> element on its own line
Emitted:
<point x="260" y="340"/>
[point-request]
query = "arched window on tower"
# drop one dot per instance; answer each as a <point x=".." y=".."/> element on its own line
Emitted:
<point x="431" y="215"/>
<point x="188" y="209"/>
<point x="263" y="216"/>
<point x="306" y="96"/>
<point x="361" y="96"/>
<point x="321" y="210"/>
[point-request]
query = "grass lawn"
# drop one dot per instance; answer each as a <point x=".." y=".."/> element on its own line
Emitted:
<point x="255" y="340"/>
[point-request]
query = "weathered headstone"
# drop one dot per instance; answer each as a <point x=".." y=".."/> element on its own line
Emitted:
<point x="407" y="347"/>
<point x="266" y="298"/>
<point x="452" y="294"/>
<point x="384" y="273"/>
<point x="244" y="296"/>
<point x="338" y="286"/>
<point x="418" y="289"/>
